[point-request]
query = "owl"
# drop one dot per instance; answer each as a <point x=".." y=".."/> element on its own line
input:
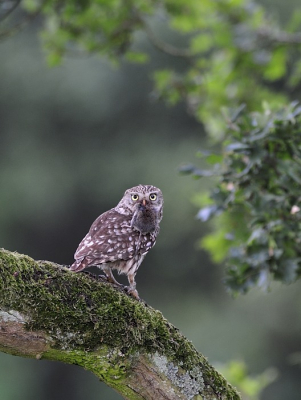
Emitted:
<point x="120" y="238"/>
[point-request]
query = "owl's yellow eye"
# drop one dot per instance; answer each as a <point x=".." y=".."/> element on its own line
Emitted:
<point x="135" y="197"/>
<point x="152" y="197"/>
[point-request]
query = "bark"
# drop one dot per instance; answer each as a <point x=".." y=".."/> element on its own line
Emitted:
<point x="49" y="312"/>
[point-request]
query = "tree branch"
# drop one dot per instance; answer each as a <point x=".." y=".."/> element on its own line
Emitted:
<point x="278" y="36"/>
<point x="27" y="19"/>
<point x="10" y="9"/>
<point x="163" y="46"/>
<point x="48" y="312"/>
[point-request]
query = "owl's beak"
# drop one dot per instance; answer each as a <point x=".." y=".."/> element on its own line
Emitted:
<point x="144" y="202"/>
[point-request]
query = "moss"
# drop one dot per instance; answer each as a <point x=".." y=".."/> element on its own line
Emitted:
<point x="104" y="363"/>
<point x="81" y="313"/>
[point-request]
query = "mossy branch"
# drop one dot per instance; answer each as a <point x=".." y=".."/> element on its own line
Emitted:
<point x="48" y="312"/>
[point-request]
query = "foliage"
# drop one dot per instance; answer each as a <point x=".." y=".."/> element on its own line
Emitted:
<point x="231" y="46"/>
<point x="103" y="27"/>
<point x="234" y="53"/>
<point x="249" y="386"/>
<point x="258" y="195"/>
<point x="232" y="50"/>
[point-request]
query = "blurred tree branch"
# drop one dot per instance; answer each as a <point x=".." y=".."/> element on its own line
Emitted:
<point x="25" y="20"/>
<point x="163" y="46"/>
<point x="9" y="10"/>
<point x="279" y="36"/>
<point x="47" y="312"/>
<point x="231" y="46"/>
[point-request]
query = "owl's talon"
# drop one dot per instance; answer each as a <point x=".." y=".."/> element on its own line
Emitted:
<point x="132" y="292"/>
<point x="90" y="274"/>
<point x="119" y="285"/>
<point x="102" y="278"/>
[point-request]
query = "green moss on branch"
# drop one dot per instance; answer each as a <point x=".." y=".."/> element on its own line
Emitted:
<point x="94" y="325"/>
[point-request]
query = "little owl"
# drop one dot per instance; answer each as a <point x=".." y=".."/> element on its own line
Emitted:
<point x="121" y="237"/>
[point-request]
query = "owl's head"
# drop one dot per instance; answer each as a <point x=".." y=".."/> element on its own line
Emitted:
<point x="142" y="195"/>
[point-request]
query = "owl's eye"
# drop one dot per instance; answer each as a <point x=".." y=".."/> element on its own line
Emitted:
<point x="152" y="197"/>
<point x="135" y="197"/>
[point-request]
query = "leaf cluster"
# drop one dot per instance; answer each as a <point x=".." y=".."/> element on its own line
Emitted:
<point x="256" y="200"/>
<point x="250" y="387"/>
<point x="231" y="46"/>
<point x="104" y="27"/>
<point x="238" y="53"/>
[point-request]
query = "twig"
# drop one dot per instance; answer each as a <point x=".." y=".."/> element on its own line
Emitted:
<point x="16" y="4"/>
<point x="163" y="46"/>
<point x="280" y="36"/>
<point x="21" y="25"/>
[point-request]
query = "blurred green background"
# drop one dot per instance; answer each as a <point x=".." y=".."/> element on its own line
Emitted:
<point x="72" y="140"/>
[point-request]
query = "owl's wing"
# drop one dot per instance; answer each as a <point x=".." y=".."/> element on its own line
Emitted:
<point x="109" y="239"/>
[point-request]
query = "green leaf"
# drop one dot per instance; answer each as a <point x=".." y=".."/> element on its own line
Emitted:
<point x="258" y="235"/>
<point x="31" y="5"/>
<point x="277" y="66"/>
<point x="295" y="77"/>
<point x="214" y="158"/>
<point x="249" y="386"/>
<point x="54" y="59"/>
<point x="201" y="43"/>
<point x="295" y="23"/>
<point x="162" y="78"/>
<point x="289" y="270"/>
<point x="217" y="244"/>
<point x="236" y="113"/>
<point x="136" y="57"/>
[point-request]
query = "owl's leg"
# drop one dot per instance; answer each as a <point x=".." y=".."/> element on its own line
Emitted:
<point x="132" y="288"/>
<point x="110" y="276"/>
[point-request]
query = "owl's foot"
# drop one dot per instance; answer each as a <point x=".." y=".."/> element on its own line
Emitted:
<point x="132" y="292"/>
<point x="90" y="274"/>
<point x="110" y="277"/>
<point x="114" y="282"/>
<point x="103" y="278"/>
